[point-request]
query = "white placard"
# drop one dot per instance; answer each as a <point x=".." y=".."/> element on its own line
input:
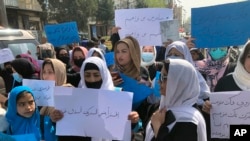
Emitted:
<point x="143" y="24"/>
<point x="228" y="108"/>
<point x="94" y="113"/>
<point x="6" y="55"/>
<point x="43" y="91"/>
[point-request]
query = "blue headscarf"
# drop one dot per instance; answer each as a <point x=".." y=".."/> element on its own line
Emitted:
<point x="19" y="124"/>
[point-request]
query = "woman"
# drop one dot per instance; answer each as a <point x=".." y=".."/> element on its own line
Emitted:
<point x="54" y="69"/>
<point x="32" y="60"/>
<point x="239" y="80"/>
<point x="63" y="54"/>
<point x="216" y="65"/>
<point x="177" y="119"/>
<point x="79" y="54"/>
<point x="148" y="56"/>
<point x="96" y="52"/>
<point x="180" y="50"/>
<point x="128" y="61"/>
<point x="95" y="74"/>
<point x="22" y="69"/>
<point x="45" y="50"/>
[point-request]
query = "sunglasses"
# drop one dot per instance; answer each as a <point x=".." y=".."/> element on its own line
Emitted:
<point x="162" y="78"/>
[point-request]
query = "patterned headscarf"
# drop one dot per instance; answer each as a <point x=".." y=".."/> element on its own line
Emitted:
<point x="214" y="69"/>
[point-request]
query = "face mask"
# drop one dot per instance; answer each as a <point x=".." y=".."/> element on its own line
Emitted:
<point x="94" y="85"/>
<point x="17" y="77"/>
<point x="64" y="59"/>
<point x="218" y="53"/>
<point x="147" y="56"/>
<point x="174" y="57"/>
<point x="78" y="62"/>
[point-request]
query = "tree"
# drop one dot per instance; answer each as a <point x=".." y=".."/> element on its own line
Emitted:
<point x="105" y="12"/>
<point x="70" y="10"/>
<point x="141" y="4"/>
<point x="156" y="3"/>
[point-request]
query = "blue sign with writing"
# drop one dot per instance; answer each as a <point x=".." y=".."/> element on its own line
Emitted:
<point x="141" y="91"/>
<point x="221" y="25"/>
<point x="62" y="34"/>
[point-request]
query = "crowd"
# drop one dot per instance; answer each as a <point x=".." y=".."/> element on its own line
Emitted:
<point x="184" y="77"/>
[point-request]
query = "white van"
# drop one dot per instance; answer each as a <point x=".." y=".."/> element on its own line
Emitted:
<point x="18" y="41"/>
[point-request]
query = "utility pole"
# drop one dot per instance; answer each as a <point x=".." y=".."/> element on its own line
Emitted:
<point x="3" y="15"/>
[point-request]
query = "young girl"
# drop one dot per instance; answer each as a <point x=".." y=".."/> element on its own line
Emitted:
<point x="22" y="113"/>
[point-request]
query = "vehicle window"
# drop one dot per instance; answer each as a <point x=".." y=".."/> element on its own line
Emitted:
<point x="23" y="48"/>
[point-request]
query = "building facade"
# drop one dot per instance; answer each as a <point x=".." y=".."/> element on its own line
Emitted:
<point x="24" y="14"/>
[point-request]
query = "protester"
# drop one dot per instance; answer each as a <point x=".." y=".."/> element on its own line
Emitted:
<point x="45" y="50"/>
<point x="79" y="54"/>
<point x="179" y="50"/>
<point x="54" y="69"/>
<point x="177" y="119"/>
<point x="216" y="65"/>
<point x="148" y="56"/>
<point x="22" y="69"/>
<point x="238" y="80"/>
<point x="22" y="113"/>
<point x="63" y="54"/>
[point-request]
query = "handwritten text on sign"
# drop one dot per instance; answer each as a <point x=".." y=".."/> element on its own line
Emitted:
<point x="143" y="24"/>
<point x="43" y="91"/>
<point x="105" y="111"/>
<point x="228" y="108"/>
<point x="62" y="34"/>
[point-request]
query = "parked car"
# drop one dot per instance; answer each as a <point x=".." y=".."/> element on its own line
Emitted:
<point x="18" y="41"/>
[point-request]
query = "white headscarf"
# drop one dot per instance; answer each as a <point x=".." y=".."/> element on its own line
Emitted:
<point x="145" y="64"/>
<point x="240" y="75"/>
<point x="182" y="48"/>
<point x="107" y="83"/>
<point x="93" y="50"/>
<point x="181" y="94"/>
<point x="183" y="85"/>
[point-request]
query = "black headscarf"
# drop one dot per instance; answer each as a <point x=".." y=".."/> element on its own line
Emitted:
<point x="23" y="67"/>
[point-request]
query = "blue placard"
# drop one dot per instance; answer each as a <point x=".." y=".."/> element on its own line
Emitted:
<point x="221" y="25"/>
<point x="24" y="137"/>
<point x="5" y="137"/>
<point x="141" y="91"/>
<point x="62" y="34"/>
<point x="156" y="85"/>
<point x="110" y="59"/>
